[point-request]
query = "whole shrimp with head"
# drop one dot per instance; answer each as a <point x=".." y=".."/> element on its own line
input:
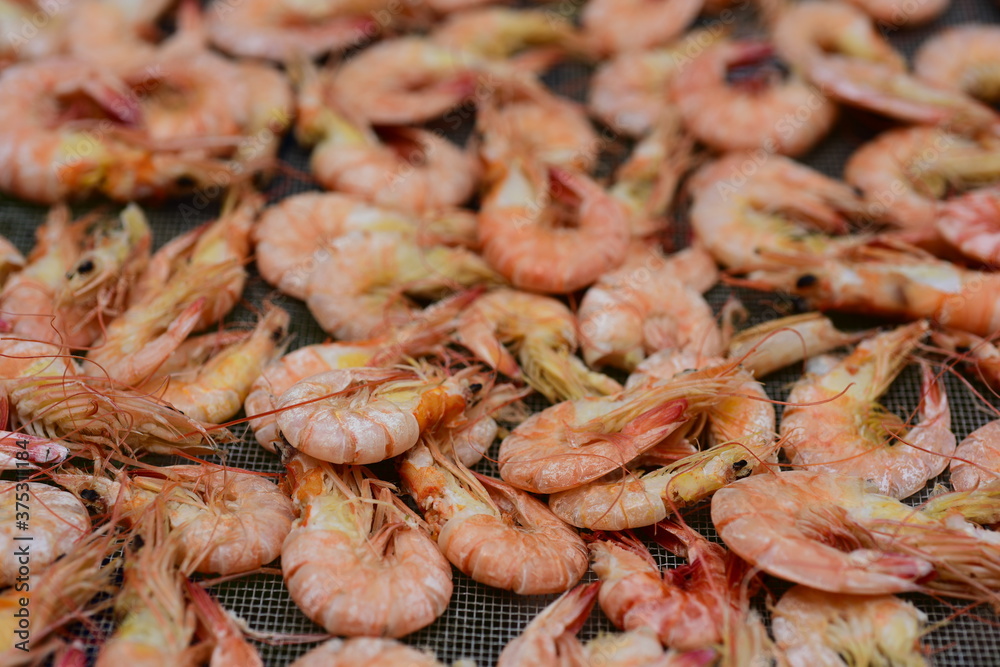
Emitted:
<point x="744" y="209"/>
<point x="650" y="303"/>
<point x="547" y="229"/>
<point x="834" y="423"/>
<point x="542" y="332"/>
<point x="410" y="169"/>
<point x="358" y="561"/>
<point x="361" y="289"/>
<point x="494" y="533"/>
<point x="689" y="607"/>
<point x="576" y="442"/>
<point x="819" y="629"/>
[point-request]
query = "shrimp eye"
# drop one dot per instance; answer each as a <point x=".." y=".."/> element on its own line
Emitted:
<point x="740" y="465"/>
<point x="475" y="386"/>
<point x="277" y="334"/>
<point x="85" y="267"/>
<point x="808" y="280"/>
<point x="90" y="495"/>
<point x="963" y="349"/>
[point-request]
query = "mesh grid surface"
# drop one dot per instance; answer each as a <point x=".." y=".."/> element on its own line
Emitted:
<point x="481" y="620"/>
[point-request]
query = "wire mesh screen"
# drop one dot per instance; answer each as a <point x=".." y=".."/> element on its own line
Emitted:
<point x="481" y="620"/>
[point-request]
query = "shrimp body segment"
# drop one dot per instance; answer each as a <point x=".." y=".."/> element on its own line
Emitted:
<point x="775" y="344"/>
<point x="365" y="652"/>
<point x="971" y="223"/>
<point x="494" y="533"/>
<point x="357" y="562"/>
<point x="817" y="629"/>
<point x="835" y="424"/>
<point x="977" y="458"/>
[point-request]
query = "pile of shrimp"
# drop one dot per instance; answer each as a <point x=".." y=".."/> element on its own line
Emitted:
<point x="524" y="380"/>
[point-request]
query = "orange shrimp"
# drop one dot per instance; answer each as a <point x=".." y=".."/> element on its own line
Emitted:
<point x="550" y="637"/>
<point x="971" y="223"/>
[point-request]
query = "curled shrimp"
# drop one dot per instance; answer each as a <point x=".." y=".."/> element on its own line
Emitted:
<point x="365" y="652"/>
<point x="834" y="534"/>
<point x="410" y="169"/>
<point x="550" y="637"/>
<point x="903" y="173"/>
<point x="977" y="458"/>
<point x="292" y="237"/>
<point x="971" y="223"/>
<point x="896" y="280"/>
<point x="213" y="390"/>
<point x="813" y="628"/>
<point x="286" y="31"/>
<point x="962" y="57"/>
<point x="576" y="442"/>
<point x="650" y="303"/>
<point x="628" y="92"/>
<point x="688" y="607"/>
<point x="635" y="25"/>
<point x="742" y="209"/>
<point x="494" y="533"/>
<point x="542" y="332"/>
<point x="524" y="232"/>
<point x="57" y="519"/>
<point x="730" y="118"/>
<point x="775" y="344"/>
<point x="360" y="290"/>
<point x="834" y="422"/>
<point x="358" y="562"/>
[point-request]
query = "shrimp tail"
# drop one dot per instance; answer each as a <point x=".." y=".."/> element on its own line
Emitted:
<point x="571" y="610"/>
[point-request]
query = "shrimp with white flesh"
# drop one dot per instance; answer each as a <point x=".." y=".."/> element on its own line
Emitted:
<point x="358" y="561"/>
<point x="835" y="534"/>
<point x="576" y="442"/>
<point x="496" y="534"/>
<point x="650" y="303"/>
<point x="688" y="607"/>
<point x="817" y="629"/>
<point x="366" y="415"/>
<point x="541" y="243"/>
<point x="191" y="283"/>
<point x="834" y="422"/>
<point x="292" y="237"/>
<point x="550" y="638"/>
<point x="776" y="344"/>
<point x="427" y="333"/>
<point x="742" y="210"/>
<point x="50" y="397"/>
<point x="542" y="333"/>
<point x="977" y="458"/>
<point x="212" y="390"/>
<point x="361" y="289"/>
<point x="366" y="652"/>
<point x="57" y="519"/>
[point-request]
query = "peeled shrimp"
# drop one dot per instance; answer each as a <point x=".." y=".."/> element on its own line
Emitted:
<point x="744" y="208"/>
<point x="963" y="57"/>
<point x="629" y="92"/>
<point x="902" y="173"/>
<point x="775" y="344"/>
<point x="636" y="25"/>
<point x="550" y="637"/>
<point x="898" y="281"/>
<point x="361" y="288"/>
<point x="832" y="533"/>
<point x="365" y="652"/>
<point x="367" y="415"/>
<point x="977" y="458"/>
<point x="357" y="562"/>
<point x="971" y="223"/>
<point x="834" y="423"/>
<point x="688" y="607"/>
<point x="542" y="332"/>
<point x="523" y="233"/>
<point x="410" y="169"/>
<point x="787" y="117"/>
<point x="575" y="442"/>
<point x="285" y="31"/>
<point x="816" y="629"/>
<point x="649" y="304"/>
<point x="56" y="520"/>
<point x="213" y="390"/>
<point x="496" y="534"/>
<point x="293" y="237"/>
